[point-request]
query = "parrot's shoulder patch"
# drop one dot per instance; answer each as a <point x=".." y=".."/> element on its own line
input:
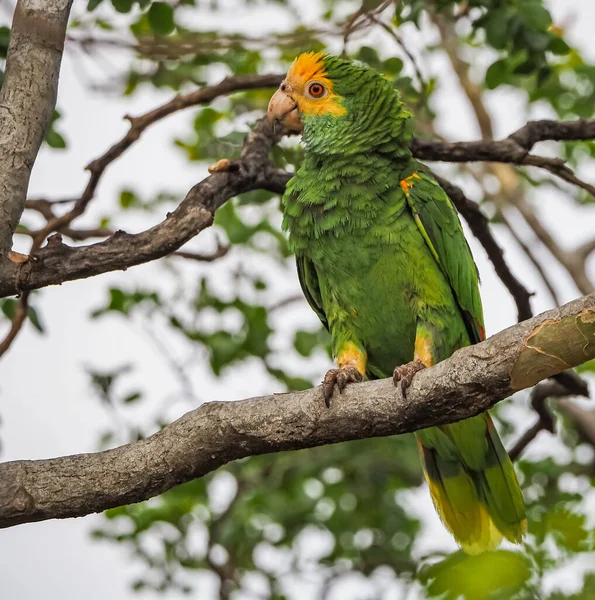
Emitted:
<point x="409" y="182"/>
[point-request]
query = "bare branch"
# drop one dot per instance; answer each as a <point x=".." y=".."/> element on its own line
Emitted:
<point x="56" y="262"/>
<point x="218" y="253"/>
<point x="557" y="167"/>
<point x="139" y="124"/>
<point x="512" y="149"/>
<point x="583" y="420"/>
<point x="472" y="380"/>
<point x="27" y="101"/>
<point x="532" y="258"/>
<point x="575" y="265"/>
<point x="541" y="392"/>
<point x="584" y="251"/>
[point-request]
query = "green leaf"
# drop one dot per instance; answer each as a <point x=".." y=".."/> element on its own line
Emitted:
<point x="132" y="398"/>
<point x="536" y="15"/>
<point x="4" y="41"/>
<point x="305" y="342"/>
<point x="122" y="6"/>
<point x="8" y="307"/>
<point x="35" y="320"/>
<point x="128" y="199"/>
<point x="558" y="46"/>
<point x="93" y="4"/>
<point x="55" y="140"/>
<point x="497" y="74"/>
<point x="478" y="577"/>
<point x="496" y="29"/>
<point x="161" y="18"/>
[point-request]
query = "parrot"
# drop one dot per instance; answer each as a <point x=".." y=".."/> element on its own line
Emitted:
<point x="383" y="261"/>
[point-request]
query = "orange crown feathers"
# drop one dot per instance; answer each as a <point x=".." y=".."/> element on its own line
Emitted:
<point x="309" y="65"/>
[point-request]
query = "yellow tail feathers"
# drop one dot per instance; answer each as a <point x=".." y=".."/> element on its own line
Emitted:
<point x="473" y="484"/>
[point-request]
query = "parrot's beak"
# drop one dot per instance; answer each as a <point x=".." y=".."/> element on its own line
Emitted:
<point x="283" y="108"/>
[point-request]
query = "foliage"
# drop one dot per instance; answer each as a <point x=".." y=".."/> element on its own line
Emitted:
<point x="272" y="523"/>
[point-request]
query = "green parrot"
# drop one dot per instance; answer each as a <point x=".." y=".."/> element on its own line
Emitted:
<point x="383" y="261"/>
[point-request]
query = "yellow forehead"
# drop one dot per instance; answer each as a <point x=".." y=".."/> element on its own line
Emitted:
<point x="306" y="67"/>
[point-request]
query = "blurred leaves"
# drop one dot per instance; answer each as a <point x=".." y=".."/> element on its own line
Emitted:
<point x="488" y="576"/>
<point x="8" y="307"/>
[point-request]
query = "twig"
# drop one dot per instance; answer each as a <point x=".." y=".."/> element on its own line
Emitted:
<point x="450" y="44"/>
<point x="286" y="302"/>
<point x="361" y="18"/>
<point x="545" y="422"/>
<point x="560" y="387"/>
<point x="575" y="265"/>
<point x="218" y="253"/>
<point x="586" y="249"/>
<point x="557" y="167"/>
<point x="56" y="262"/>
<point x="531" y="256"/>
<point x="423" y="86"/>
<point x="18" y="320"/>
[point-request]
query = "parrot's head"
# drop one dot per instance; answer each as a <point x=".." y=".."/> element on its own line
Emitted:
<point x="340" y="106"/>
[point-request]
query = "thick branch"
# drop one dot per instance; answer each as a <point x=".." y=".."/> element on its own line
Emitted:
<point x="471" y="381"/>
<point x="27" y="101"/>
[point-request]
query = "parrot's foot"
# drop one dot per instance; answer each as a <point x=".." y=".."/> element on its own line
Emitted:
<point x="340" y="377"/>
<point x="404" y="374"/>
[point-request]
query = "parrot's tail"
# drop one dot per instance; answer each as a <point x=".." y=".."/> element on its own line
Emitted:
<point x="473" y="483"/>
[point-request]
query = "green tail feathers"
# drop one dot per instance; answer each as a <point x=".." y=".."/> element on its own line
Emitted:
<point x="473" y="483"/>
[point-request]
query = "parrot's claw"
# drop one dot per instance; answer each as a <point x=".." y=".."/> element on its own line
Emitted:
<point x="340" y="377"/>
<point x="403" y="374"/>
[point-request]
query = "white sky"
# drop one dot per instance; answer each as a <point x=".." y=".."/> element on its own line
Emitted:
<point x="45" y="403"/>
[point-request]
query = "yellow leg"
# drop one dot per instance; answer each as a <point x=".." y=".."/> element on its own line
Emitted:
<point x="422" y="358"/>
<point x="350" y="356"/>
<point x="351" y="360"/>
<point x="423" y="347"/>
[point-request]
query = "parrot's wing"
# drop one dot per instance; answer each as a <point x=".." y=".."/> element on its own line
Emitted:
<point x="311" y="287"/>
<point x="439" y="223"/>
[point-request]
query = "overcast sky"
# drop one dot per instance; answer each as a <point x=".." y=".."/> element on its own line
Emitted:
<point x="45" y="403"/>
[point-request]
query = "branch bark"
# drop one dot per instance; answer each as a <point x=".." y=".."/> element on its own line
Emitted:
<point x="469" y="382"/>
<point x="27" y="101"/>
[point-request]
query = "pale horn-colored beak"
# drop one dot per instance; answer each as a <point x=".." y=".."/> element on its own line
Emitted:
<point x="282" y="108"/>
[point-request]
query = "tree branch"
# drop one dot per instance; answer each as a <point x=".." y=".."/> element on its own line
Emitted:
<point x="138" y="125"/>
<point x="545" y="422"/>
<point x="27" y="101"/>
<point x="469" y="382"/>
<point x="57" y="262"/>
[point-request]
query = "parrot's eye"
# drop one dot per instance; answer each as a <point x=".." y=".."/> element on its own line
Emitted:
<point x="316" y="90"/>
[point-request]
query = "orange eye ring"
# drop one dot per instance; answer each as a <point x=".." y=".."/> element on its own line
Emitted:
<point x="316" y="90"/>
